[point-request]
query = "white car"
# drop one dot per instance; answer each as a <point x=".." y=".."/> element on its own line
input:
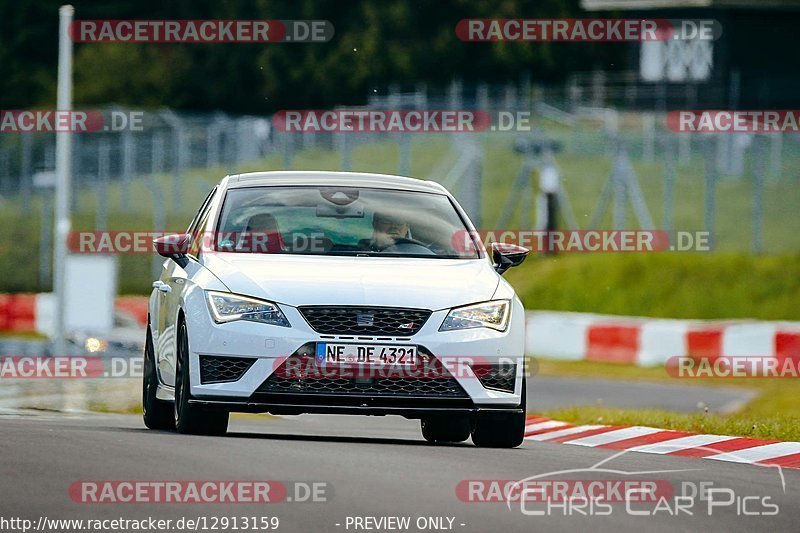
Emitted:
<point x="334" y="292"/>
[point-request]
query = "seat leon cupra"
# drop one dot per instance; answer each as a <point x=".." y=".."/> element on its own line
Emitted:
<point x="340" y="293"/>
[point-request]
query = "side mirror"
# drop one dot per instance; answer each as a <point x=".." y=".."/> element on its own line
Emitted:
<point x="174" y="247"/>
<point x="505" y="256"/>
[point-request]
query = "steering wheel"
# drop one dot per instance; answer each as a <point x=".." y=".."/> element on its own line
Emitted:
<point x="404" y="241"/>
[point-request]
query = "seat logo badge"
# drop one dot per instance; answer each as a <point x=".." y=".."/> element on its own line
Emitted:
<point x="365" y="320"/>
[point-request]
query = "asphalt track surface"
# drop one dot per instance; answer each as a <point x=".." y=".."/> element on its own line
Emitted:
<point x="543" y="393"/>
<point x="555" y="392"/>
<point x="373" y="467"/>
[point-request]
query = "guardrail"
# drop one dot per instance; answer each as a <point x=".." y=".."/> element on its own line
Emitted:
<point x="651" y="341"/>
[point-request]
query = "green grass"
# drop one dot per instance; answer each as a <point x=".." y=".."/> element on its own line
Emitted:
<point x="22" y="335"/>
<point x="773" y="414"/>
<point x="668" y="285"/>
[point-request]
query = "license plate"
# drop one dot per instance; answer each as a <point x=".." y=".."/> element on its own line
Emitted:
<point x="373" y="355"/>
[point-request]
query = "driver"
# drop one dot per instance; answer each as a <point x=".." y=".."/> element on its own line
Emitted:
<point x="262" y="235"/>
<point x="387" y="230"/>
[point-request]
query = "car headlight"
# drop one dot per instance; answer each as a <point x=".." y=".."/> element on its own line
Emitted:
<point x="94" y="345"/>
<point x="483" y="315"/>
<point x="227" y="307"/>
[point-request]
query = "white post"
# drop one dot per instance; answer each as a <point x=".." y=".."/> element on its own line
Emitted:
<point x="648" y="137"/>
<point x="63" y="177"/>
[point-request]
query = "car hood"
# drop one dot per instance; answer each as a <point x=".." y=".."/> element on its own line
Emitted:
<point x="323" y="280"/>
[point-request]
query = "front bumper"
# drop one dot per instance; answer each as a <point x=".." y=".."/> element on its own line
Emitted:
<point x="286" y="406"/>
<point x="269" y="346"/>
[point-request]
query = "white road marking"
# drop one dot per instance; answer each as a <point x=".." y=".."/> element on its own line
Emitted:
<point x="545" y="425"/>
<point x="758" y="453"/>
<point x="682" y="443"/>
<point x="614" y="436"/>
<point x="561" y="433"/>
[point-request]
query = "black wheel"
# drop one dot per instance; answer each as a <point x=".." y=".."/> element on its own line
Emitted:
<point x="190" y="418"/>
<point x="500" y="430"/>
<point x="157" y="414"/>
<point x="445" y="428"/>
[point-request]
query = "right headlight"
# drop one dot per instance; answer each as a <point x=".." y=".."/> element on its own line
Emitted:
<point x="227" y="307"/>
<point x="492" y="315"/>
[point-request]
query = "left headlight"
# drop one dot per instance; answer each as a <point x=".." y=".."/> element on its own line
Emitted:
<point x="227" y="307"/>
<point x="492" y="315"/>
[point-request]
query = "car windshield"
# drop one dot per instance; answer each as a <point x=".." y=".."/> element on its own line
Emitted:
<point x="347" y="221"/>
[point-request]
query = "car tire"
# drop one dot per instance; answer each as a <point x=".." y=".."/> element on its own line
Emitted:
<point x="189" y="418"/>
<point x="445" y="428"/>
<point x="157" y="414"/>
<point x="500" y="430"/>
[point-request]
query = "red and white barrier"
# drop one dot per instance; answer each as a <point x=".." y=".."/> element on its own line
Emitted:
<point x="651" y="341"/>
<point x="18" y="312"/>
<point x="33" y="313"/>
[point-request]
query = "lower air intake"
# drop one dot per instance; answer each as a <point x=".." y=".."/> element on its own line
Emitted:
<point x="216" y="369"/>
<point x="500" y="376"/>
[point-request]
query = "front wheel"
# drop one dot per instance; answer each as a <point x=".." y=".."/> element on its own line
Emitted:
<point x="500" y="430"/>
<point x="157" y="414"/>
<point x="445" y="428"/>
<point x="189" y="418"/>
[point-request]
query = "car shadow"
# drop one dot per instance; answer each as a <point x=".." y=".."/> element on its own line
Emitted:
<point x="338" y="439"/>
<point x="306" y="438"/>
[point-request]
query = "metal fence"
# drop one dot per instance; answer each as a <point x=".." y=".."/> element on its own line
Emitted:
<point x="715" y="182"/>
<point x="166" y="142"/>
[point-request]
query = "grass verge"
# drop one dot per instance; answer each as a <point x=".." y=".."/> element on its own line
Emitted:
<point x="664" y="285"/>
<point x="773" y="414"/>
<point x="22" y="335"/>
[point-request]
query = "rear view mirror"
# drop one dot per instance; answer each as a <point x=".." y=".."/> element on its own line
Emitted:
<point x="505" y="256"/>
<point x="354" y="210"/>
<point x="173" y="246"/>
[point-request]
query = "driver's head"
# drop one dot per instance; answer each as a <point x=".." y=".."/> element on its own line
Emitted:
<point x="387" y="228"/>
<point x="262" y="223"/>
<point x="262" y="234"/>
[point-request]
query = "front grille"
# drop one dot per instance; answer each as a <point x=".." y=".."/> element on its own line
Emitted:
<point x="395" y="321"/>
<point x="216" y="369"/>
<point x="499" y="376"/>
<point x="299" y="374"/>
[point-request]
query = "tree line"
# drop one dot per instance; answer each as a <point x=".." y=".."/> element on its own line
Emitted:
<point x="375" y="43"/>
